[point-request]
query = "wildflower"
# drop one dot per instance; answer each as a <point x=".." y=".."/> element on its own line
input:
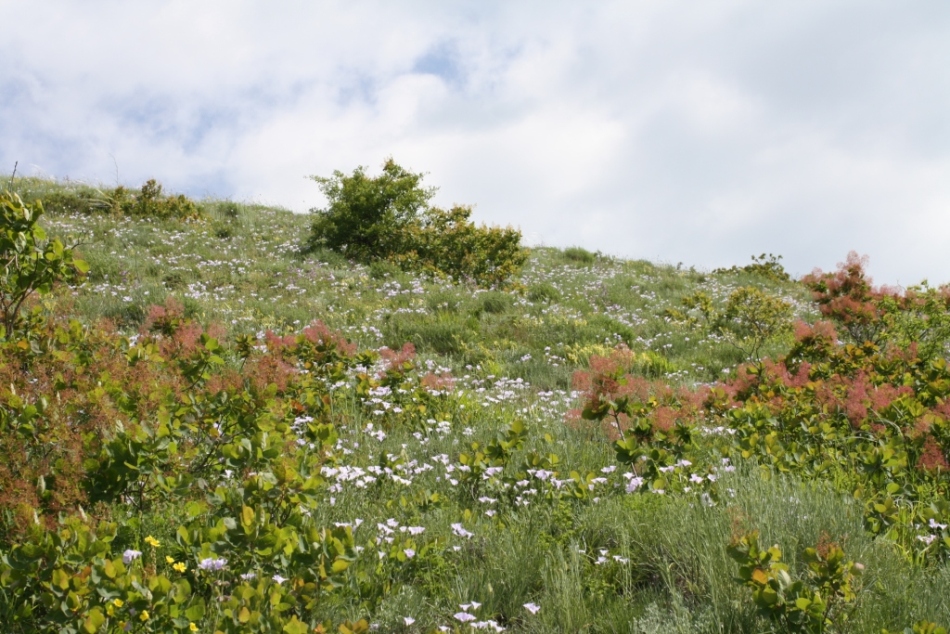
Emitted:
<point x="410" y="553"/>
<point x="118" y="603"/>
<point x="169" y="560"/>
<point x="459" y="530"/>
<point x="143" y="616"/>
<point x="408" y="620"/>
<point x="212" y="564"/>
<point x="180" y="567"/>
<point x="192" y="627"/>
<point x="634" y="484"/>
<point x="464" y="617"/>
<point x="532" y="607"/>
<point x="131" y="555"/>
<point x="279" y="578"/>
<point x="151" y="541"/>
<point x="247" y="576"/>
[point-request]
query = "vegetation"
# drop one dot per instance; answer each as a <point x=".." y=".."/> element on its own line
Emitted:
<point x="389" y="218"/>
<point x="222" y="429"/>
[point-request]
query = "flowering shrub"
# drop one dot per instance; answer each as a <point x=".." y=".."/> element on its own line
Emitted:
<point x="873" y="421"/>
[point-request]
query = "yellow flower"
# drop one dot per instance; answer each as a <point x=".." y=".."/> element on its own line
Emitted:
<point x="180" y="567"/>
<point x="144" y="616"/>
<point x="169" y="560"/>
<point x="118" y="603"/>
<point x="192" y="627"/>
<point x="151" y="541"/>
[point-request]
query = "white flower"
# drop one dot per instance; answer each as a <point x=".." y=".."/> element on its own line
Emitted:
<point x="279" y="578"/>
<point x="532" y="607"/>
<point x="464" y="617"/>
<point x="410" y="553"/>
<point x="408" y="620"/>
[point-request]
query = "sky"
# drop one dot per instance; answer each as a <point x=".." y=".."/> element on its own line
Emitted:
<point x="698" y="133"/>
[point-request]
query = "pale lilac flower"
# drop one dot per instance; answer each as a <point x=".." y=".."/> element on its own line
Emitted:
<point x="634" y="484"/>
<point x="410" y="553"/>
<point x="459" y="530"/>
<point x="464" y="617"/>
<point x="212" y="564"/>
<point x="131" y="555"/>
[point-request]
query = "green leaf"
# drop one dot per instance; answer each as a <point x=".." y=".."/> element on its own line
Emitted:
<point x="94" y="620"/>
<point x="295" y="626"/>
<point x="196" y="612"/>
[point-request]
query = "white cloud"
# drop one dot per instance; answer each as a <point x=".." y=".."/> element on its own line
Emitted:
<point x="699" y="133"/>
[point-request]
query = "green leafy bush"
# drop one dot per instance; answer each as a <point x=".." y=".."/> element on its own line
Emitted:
<point x="29" y="262"/>
<point x="766" y="265"/>
<point x="750" y="319"/>
<point x="389" y="218"/>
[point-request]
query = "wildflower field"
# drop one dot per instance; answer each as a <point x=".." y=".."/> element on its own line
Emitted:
<point x="207" y="425"/>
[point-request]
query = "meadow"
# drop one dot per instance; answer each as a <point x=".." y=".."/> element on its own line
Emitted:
<point x="220" y="429"/>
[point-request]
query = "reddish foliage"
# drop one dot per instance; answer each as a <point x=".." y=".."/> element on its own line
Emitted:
<point x="438" y="382"/>
<point x="848" y="297"/>
<point x="932" y="457"/>
<point x="395" y="358"/>
<point x="321" y="334"/>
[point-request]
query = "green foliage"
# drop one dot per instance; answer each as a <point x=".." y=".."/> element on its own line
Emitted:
<point x="766" y="266"/>
<point x="29" y="261"/>
<point x="749" y="320"/>
<point x="921" y="627"/>
<point x="389" y="218"/>
<point x="149" y="201"/>
<point x="578" y="255"/>
<point x="809" y="604"/>
<point x="221" y="439"/>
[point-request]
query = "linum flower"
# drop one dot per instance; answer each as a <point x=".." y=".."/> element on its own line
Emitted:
<point x="212" y="564"/>
<point x="279" y="578"/>
<point x="408" y="620"/>
<point x="459" y="530"/>
<point x="464" y="617"/>
<point x="131" y="555"/>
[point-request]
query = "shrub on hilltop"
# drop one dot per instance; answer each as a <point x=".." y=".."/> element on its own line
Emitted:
<point x="388" y="217"/>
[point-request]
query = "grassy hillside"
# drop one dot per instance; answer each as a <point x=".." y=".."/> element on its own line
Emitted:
<point x="273" y="477"/>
